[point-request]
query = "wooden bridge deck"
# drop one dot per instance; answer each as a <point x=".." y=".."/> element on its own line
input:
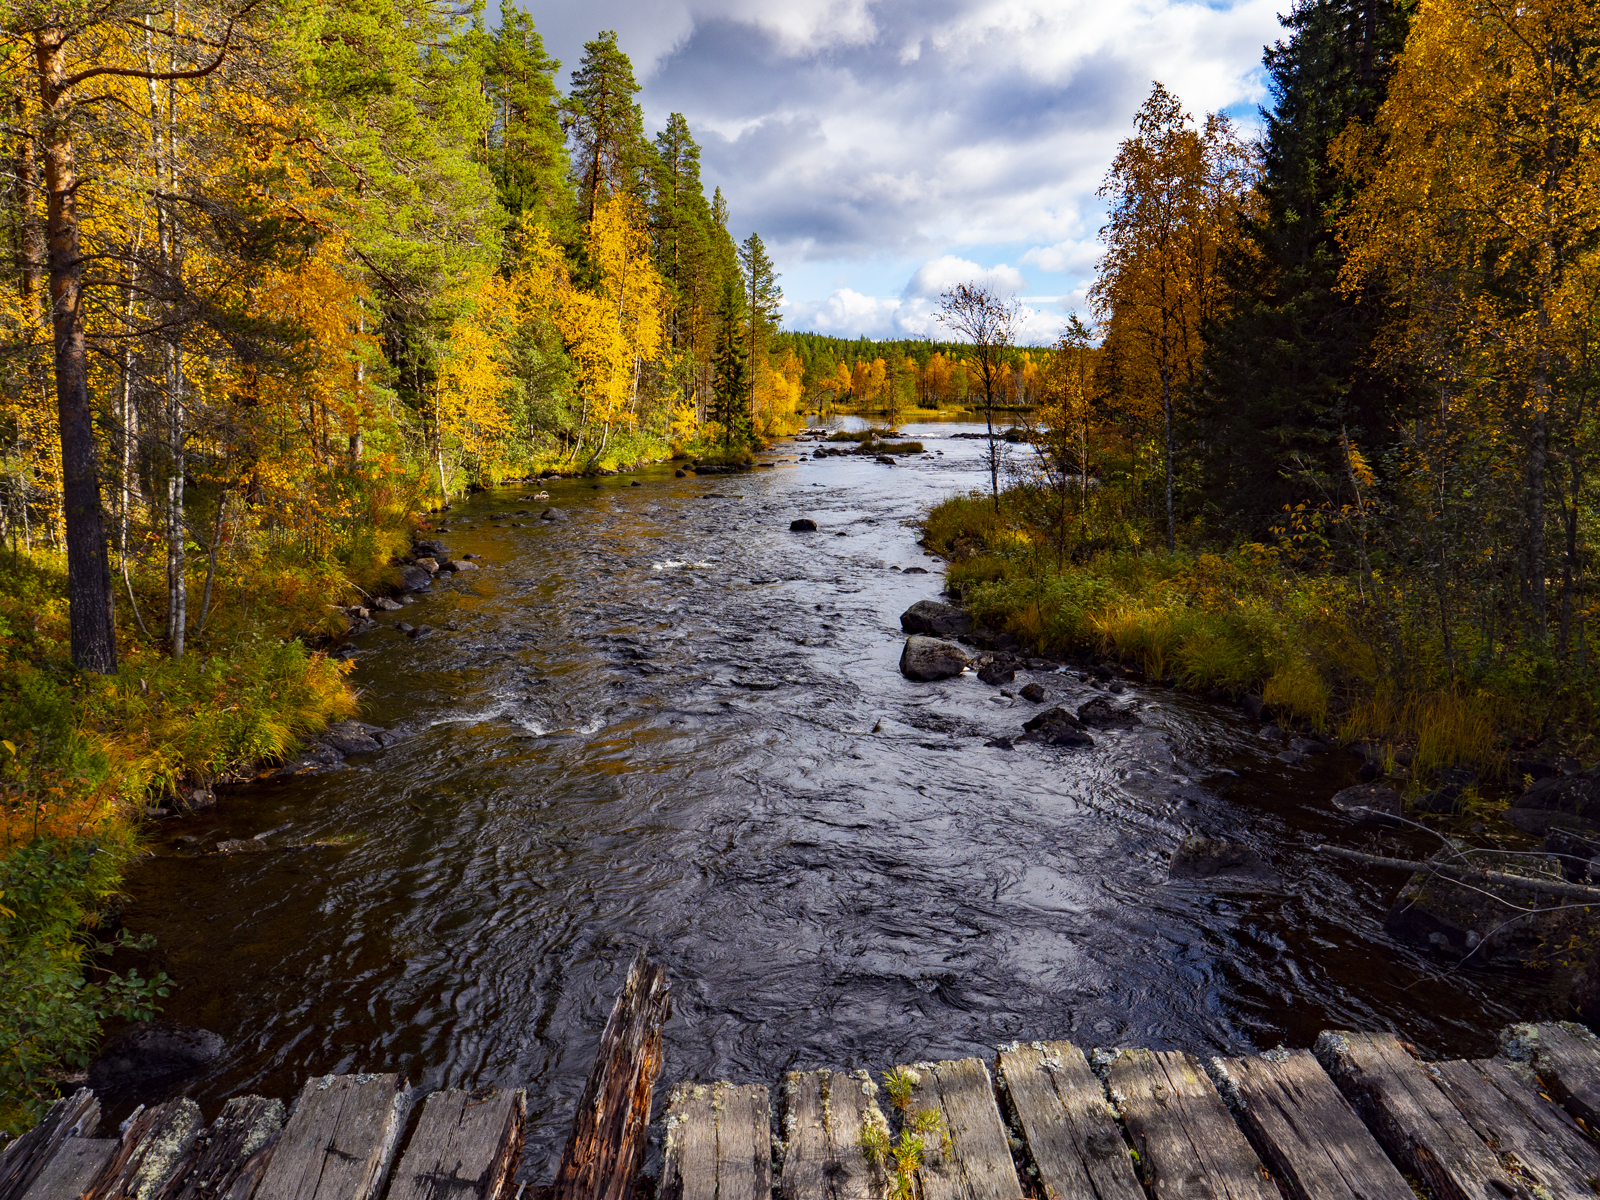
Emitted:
<point x="1359" y="1117"/>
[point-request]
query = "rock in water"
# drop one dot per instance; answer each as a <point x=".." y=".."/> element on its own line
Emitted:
<point x="1371" y="802"/>
<point x="802" y="525"/>
<point x="997" y="672"/>
<point x="1200" y="857"/>
<point x="461" y="564"/>
<point x="147" y="1055"/>
<point x="1100" y="713"/>
<point x="384" y="604"/>
<point x="352" y="737"/>
<point x="552" y="514"/>
<point x="414" y="578"/>
<point x="936" y="619"/>
<point x="1056" y="727"/>
<point x="927" y="659"/>
<point x="1033" y="692"/>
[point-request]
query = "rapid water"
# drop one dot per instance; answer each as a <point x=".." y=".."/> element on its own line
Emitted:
<point x="670" y="724"/>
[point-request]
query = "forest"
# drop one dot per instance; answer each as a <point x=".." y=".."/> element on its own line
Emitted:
<point x="1327" y="438"/>
<point x="285" y="276"/>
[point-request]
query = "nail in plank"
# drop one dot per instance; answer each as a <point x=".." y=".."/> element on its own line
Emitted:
<point x="1187" y="1142"/>
<point x="1411" y="1117"/>
<point x="1070" y="1130"/>
<point x="1305" y="1131"/>
<point x="718" y="1143"/>
<point x="824" y="1113"/>
<point x="1536" y="1141"/>
<point x="465" y="1147"/>
<point x="976" y="1163"/>
<point x="339" y="1140"/>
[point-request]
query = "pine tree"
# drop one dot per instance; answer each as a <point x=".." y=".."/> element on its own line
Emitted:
<point x="762" y="296"/>
<point x="1289" y="368"/>
<point x="611" y="155"/>
<point x="528" y="155"/>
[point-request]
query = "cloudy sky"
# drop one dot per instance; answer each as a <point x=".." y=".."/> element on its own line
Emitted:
<point x="886" y="150"/>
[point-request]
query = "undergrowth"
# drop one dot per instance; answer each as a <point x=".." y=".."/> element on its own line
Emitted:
<point x="1349" y="657"/>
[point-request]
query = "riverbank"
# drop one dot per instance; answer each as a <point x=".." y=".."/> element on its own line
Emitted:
<point x="1343" y="656"/>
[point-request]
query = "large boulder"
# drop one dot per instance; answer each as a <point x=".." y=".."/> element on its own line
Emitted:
<point x="147" y="1057"/>
<point x="1573" y="801"/>
<point x="1101" y="713"/>
<point x="928" y="658"/>
<point x="935" y="618"/>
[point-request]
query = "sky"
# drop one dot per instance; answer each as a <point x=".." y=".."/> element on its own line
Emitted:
<point x="887" y="150"/>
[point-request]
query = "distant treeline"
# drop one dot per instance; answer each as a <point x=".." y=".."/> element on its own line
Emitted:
<point x="895" y="374"/>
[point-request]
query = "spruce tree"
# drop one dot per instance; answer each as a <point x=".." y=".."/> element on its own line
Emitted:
<point x="1289" y="368"/>
<point x="610" y="152"/>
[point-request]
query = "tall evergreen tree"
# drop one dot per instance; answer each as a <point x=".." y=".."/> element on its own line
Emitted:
<point x="731" y="408"/>
<point x="762" y="295"/>
<point x="607" y="127"/>
<point x="1289" y="368"/>
<point x="527" y="151"/>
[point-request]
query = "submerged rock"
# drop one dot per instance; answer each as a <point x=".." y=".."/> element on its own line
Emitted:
<point x="552" y="514"/>
<point x="1372" y="802"/>
<point x="802" y="525"/>
<point x="935" y="618"/>
<point x="927" y="659"/>
<point x="148" y="1055"/>
<point x="1199" y="857"/>
<point x="1056" y="727"/>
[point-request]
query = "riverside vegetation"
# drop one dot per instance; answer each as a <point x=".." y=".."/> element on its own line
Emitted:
<point x="1335" y="443"/>
<point x="285" y="275"/>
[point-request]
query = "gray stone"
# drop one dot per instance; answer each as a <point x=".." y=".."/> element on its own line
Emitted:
<point x="1199" y="857"/>
<point x="802" y="525"/>
<point x="414" y="578"/>
<point x="552" y="514"/>
<point x="1100" y="713"/>
<point x="461" y="564"/>
<point x="1056" y="727"/>
<point x="350" y="737"/>
<point x="935" y="618"/>
<point x="1372" y="802"/>
<point x="1033" y="692"/>
<point x="928" y="658"/>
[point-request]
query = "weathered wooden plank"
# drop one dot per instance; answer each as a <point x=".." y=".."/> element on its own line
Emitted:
<point x="1070" y="1130"/>
<point x="154" y="1148"/>
<point x="72" y="1169"/>
<point x="975" y="1163"/>
<point x="1535" y="1140"/>
<point x="339" y="1140"/>
<point x="718" y="1143"/>
<point x="606" y="1147"/>
<point x="228" y="1158"/>
<point x="1411" y="1117"/>
<point x="1566" y="1057"/>
<point x="824" y="1113"/>
<point x="465" y="1146"/>
<point x="1305" y="1131"/>
<point x="1188" y="1144"/>
<point x="74" y="1116"/>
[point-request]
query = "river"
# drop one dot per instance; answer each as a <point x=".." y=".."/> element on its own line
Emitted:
<point x="669" y="723"/>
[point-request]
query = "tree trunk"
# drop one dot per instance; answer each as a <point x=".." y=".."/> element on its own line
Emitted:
<point x="89" y="593"/>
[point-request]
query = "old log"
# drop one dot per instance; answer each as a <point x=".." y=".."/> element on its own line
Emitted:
<point x="606" y="1147"/>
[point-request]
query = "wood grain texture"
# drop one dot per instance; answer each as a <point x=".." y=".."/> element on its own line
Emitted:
<point x="976" y="1165"/>
<point x="1306" y="1132"/>
<point x="338" y="1142"/>
<point x="1535" y="1140"/>
<point x="824" y="1112"/>
<point x="75" y="1166"/>
<point x="74" y="1116"/>
<point x="227" y="1159"/>
<point x="718" y="1143"/>
<point x="153" y="1149"/>
<point x="1069" y="1128"/>
<point x="465" y="1146"/>
<point x="1566" y="1057"/>
<point x="606" y="1147"/>
<point x="1187" y="1142"/>
<point x="1412" y="1118"/>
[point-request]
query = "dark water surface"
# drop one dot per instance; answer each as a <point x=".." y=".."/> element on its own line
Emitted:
<point x="669" y="723"/>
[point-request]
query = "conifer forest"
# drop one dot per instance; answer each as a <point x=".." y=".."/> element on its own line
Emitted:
<point x="293" y="289"/>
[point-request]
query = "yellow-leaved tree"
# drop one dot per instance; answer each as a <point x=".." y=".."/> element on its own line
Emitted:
<point x="1480" y="218"/>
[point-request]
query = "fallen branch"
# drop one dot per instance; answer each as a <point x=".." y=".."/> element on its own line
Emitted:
<point x="1554" y="887"/>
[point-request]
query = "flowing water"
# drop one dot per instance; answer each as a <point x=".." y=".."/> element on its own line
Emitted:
<point x="670" y="724"/>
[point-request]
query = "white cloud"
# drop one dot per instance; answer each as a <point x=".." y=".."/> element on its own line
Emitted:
<point x="937" y="275"/>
